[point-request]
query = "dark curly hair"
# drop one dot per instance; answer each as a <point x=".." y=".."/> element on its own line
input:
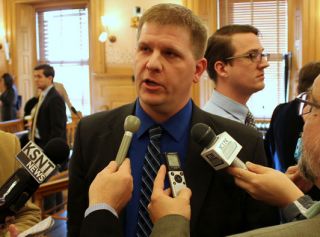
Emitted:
<point x="8" y="80"/>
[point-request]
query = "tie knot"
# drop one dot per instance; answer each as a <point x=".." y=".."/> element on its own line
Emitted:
<point x="155" y="132"/>
<point x="250" y="120"/>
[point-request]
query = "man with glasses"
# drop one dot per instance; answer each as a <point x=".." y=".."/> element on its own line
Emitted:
<point x="283" y="138"/>
<point x="236" y="64"/>
<point x="284" y="191"/>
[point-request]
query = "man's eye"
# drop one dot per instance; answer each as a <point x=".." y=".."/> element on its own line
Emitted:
<point x="144" y="49"/>
<point x="253" y="55"/>
<point x="170" y="54"/>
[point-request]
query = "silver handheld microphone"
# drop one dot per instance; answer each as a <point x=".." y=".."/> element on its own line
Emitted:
<point x="131" y="125"/>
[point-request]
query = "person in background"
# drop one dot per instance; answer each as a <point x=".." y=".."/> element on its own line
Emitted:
<point x="50" y="119"/>
<point x="236" y="64"/>
<point x="30" y="214"/>
<point x="169" y="59"/>
<point x="8" y="98"/>
<point x="283" y="137"/>
<point x="30" y="104"/>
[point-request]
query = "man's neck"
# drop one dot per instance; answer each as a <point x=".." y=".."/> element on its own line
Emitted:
<point x="160" y="114"/>
<point x="234" y="95"/>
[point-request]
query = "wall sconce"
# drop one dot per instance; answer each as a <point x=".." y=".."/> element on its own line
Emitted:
<point x="4" y="45"/>
<point x="105" y="35"/>
<point x="1" y="37"/>
<point x="137" y="13"/>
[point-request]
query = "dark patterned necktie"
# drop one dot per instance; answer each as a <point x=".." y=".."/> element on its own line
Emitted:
<point x="151" y="165"/>
<point x="250" y="120"/>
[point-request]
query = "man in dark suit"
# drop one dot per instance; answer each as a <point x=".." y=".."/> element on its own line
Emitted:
<point x="261" y="182"/>
<point x="169" y="59"/>
<point x="49" y="117"/>
<point x="50" y="112"/>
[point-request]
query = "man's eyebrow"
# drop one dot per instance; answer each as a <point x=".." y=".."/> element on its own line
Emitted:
<point x="142" y="43"/>
<point x="255" y="50"/>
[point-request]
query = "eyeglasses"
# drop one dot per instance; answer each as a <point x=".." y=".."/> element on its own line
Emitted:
<point x="305" y="106"/>
<point x="255" y="57"/>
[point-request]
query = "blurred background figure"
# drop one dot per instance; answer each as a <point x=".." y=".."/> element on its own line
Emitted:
<point x="8" y="98"/>
<point x="284" y="134"/>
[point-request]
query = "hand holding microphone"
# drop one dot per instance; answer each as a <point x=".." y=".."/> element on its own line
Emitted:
<point x="113" y="186"/>
<point x="131" y="125"/>
<point x="37" y="167"/>
<point x="219" y="151"/>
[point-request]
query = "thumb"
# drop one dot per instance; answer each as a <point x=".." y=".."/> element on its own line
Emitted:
<point x="185" y="193"/>
<point x="13" y="231"/>
<point x="111" y="167"/>
<point x="255" y="168"/>
<point x="125" y="166"/>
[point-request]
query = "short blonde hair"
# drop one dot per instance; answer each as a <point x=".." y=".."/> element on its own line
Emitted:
<point x="173" y="14"/>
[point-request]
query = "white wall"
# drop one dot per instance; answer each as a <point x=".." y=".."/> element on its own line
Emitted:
<point x="120" y="53"/>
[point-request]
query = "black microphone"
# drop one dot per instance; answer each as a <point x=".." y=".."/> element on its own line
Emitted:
<point x="219" y="151"/>
<point x="73" y="109"/>
<point x="37" y="168"/>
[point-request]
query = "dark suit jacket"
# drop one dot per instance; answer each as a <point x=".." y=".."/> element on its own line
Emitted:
<point x="283" y="133"/>
<point x="9" y="100"/>
<point x="101" y="223"/>
<point x="218" y="206"/>
<point x="52" y="118"/>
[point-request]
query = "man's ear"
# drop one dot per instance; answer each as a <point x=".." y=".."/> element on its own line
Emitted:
<point x="201" y="66"/>
<point x="221" y="69"/>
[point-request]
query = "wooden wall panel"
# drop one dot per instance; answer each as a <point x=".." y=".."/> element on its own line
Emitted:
<point x="310" y="30"/>
<point x="112" y="90"/>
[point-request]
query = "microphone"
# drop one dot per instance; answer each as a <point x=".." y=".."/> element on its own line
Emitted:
<point x="36" y="168"/>
<point x="73" y="109"/>
<point x="131" y="125"/>
<point x="219" y="151"/>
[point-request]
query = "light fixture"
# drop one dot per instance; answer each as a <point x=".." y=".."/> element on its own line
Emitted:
<point x="137" y="13"/>
<point x="105" y="35"/>
<point x="2" y="36"/>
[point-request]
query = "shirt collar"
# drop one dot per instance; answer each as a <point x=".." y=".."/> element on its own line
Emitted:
<point x="174" y="126"/>
<point x="46" y="91"/>
<point x="232" y="107"/>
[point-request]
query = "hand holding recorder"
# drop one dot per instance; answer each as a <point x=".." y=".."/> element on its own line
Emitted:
<point x="162" y="204"/>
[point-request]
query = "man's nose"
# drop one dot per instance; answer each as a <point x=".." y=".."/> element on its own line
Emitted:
<point x="264" y="63"/>
<point x="154" y="62"/>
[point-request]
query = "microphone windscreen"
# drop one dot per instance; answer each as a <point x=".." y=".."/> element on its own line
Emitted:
<point x="203" y="134"/>
<point x="73" y="109"/>
<point x="132" y="123"/>
<point x="57" y="150"/>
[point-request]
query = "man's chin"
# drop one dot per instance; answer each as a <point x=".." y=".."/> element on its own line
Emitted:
<point x="151" y="100"/>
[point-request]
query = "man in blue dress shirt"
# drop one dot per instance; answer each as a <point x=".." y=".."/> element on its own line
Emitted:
<point x="168" y="60"/>
<point x="236" y="64"/>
